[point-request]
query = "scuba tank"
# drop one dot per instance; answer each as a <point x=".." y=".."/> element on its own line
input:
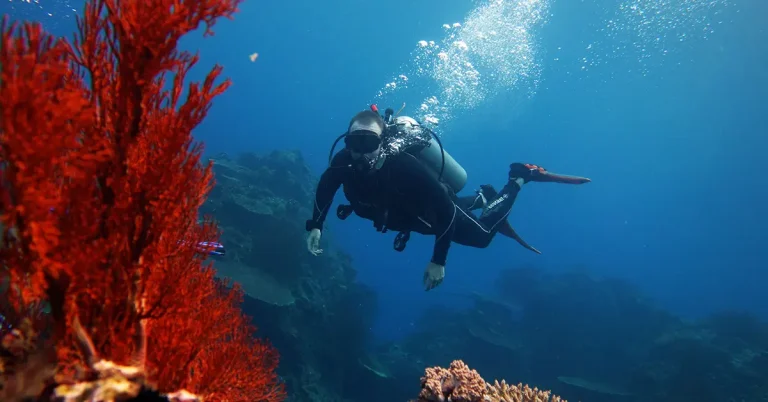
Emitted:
<point x="431" y="153"/>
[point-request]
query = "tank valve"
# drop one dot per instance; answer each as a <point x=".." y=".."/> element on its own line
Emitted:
<point x="388" y="115"/>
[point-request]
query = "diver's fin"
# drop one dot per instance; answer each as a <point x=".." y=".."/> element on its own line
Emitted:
<point x="531" y="172"/>
<point x="549" y="177"/>
<point x="507" y="230"/>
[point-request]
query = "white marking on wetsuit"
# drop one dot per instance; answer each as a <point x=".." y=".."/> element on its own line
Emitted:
<point x="471" y="218"/>
<point x="502" y="218"/>
<point x="474" y="203"/>
<point x="317" y="207"/>
<point x="478" y="223"/>
<point x="453" y="219"/>
<point x="471" y="206"/>
<point x="321" y="211"/>
<point x="498" y="201"/>
<point x="455" y="207"/>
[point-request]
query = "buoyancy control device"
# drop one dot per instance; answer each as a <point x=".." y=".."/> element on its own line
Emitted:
<point x="431" y="153"/>
<point x="406" y="134"/>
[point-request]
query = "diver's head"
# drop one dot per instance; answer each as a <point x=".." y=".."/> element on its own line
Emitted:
<point x="363" y="138"/>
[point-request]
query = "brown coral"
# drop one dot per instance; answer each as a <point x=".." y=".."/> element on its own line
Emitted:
<point x="111" y="382"/>
<point x="26" y="361"/>
<point x="459" y="383"/>
<point x="503" y="392"/>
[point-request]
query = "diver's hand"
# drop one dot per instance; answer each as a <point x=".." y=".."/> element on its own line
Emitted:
<point x="433" y="276"/>
<point x="313" y="242"/>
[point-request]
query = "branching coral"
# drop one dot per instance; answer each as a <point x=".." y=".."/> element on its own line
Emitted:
<point x="459" y="383"/>
<point x="100" y="186"/>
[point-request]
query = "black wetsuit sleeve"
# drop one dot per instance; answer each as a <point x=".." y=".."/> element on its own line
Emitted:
<point x="428" y="194"/>
<point x="330" y="181"/>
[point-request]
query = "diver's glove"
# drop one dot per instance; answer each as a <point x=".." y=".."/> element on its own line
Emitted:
<point x="529" y="172"/>
<point x="433" y="276"/>
<point x="313" y="242"/>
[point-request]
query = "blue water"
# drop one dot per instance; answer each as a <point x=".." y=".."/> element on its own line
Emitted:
<point x="674" y="142"/>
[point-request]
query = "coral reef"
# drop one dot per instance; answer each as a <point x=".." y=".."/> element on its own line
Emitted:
<point x="106" y="293"/>
<point x="459" y="383"/>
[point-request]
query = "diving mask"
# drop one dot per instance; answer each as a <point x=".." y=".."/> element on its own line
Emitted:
<point x="362" y="141"/>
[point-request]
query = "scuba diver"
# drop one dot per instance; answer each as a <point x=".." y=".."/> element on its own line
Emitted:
<point x="395" y="173"/>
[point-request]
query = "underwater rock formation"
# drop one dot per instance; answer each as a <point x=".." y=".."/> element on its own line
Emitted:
<point x="590" y="339"/>
<point x="723" y="357"/>
<point x="261" y="204"/>
<point x="314" y="311"/>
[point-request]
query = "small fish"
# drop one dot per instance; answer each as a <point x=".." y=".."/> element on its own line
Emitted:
<point x="218" y="248"/>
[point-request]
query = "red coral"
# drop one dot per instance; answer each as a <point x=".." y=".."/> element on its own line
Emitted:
<point x="100" y="186"/>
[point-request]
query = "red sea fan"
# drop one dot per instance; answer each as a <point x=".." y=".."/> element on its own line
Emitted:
<point x="100" y="186"/>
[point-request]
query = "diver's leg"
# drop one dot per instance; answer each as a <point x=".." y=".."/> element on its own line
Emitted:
<point x="519" y="173"/>
<point x="471" y="231"/>
<point x="494" y="216"/>
<point x="479" y="201"/>
<point x="471" y="202"/>
<point x="488" y="192"/>
<point x="478" y="232"/>
<point x="505" y="229"/>
<point x="468" y="230"/>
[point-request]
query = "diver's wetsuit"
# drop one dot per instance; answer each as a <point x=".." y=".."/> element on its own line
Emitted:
<point x="470" y="230"/>
<point x="403" y="196"/>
